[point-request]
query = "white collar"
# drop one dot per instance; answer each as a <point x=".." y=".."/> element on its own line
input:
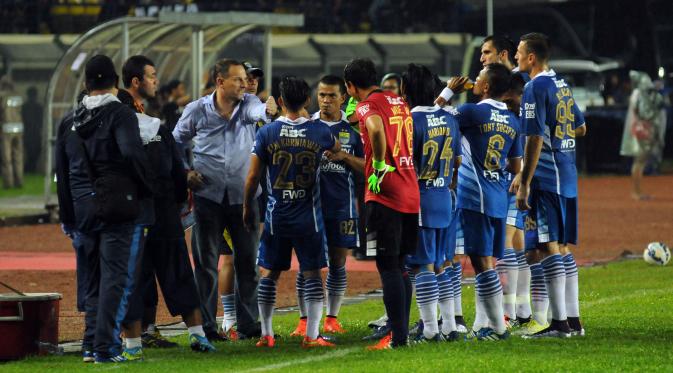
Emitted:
<point x="92" y="102"/>
<point x="425" y="109"/>
<point x="550" y="73"/>
<point x="316" y="116"/>
<point x="298" y="121"/>
<point x="494" y="103"/>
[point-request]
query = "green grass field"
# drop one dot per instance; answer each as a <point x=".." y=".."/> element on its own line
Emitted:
<point x="33" y="185"/>
<point x="626" y="308"/>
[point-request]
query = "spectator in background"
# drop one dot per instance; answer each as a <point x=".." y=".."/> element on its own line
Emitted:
<point x="12" y="135"/>
<point x="175" y="99"/>
<point x="643" y="137"/>
<point x="391" y="83"/>
<point x="31" y="113"/>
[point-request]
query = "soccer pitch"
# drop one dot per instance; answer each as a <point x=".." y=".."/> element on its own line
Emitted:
<point x="625" y="309"/>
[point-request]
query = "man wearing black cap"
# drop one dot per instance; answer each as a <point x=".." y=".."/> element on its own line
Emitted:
<point x="254" y="75"/>
<point x="105" y="190"/>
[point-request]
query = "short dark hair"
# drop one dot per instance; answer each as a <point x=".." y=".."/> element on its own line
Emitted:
<point x="361" y="72"/>
<point x="222" y="67"/>
<point x="99" y="73"/>
<point x="537" y="44"/>
<point x="499" y="77"/>
<point x="516" y="83"/>
<point x="134" y="67"/>
<point x="419" y="85"/>
<point x="334" y="80"/>
<point x="294" y="91"/>
<point x="502" y="43"/>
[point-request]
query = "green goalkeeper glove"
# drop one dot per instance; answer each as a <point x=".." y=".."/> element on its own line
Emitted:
<point x="375" y="179"/>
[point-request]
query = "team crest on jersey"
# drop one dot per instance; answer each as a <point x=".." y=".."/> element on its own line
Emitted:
<point x="364" y="109"/>
<point x="344" y="137"/>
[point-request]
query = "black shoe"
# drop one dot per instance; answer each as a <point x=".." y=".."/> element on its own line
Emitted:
<point x="379" y="333"/>
<point x="215" y="337"/>
<point x="156" y="340"/>
<point x="576" y="328"/>
<point x="460" y="324"/>
<point x="557" y="329"/>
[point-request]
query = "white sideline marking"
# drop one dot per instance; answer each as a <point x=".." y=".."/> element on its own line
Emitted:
<point x="327" y="356"/>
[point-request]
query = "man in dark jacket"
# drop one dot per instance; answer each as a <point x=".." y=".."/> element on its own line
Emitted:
<point x="100" y="144"/>
<point x="165" y="257"/>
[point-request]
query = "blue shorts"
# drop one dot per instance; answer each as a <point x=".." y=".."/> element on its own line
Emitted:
<point x="571" y="219"/>
<point x="460" y="235"/>
<point x="515" y="216"/>
<point x="433" y="243"/>
<point x="342" y="232"/>
<point x="547" y="219"/>
<point x="275" y="252"/>
<point x="483" y="235"/>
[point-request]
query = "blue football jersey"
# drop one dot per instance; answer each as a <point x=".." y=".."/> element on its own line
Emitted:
<point x="490" y="134"/>
<point x="292" y="151"/>
<point x="337" y="181"/>
<point x="436" y="146"/>
<point x="549" y="110"/>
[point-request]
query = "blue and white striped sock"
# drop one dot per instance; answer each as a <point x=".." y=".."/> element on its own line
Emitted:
<point x="427" y="296"/>
<point x="229" y="306"/>
<point x="523" y="287"/>
<point x="445" y="301"/>
<point x="538" y="294"/>
<point x="555" y="279"/>
<point x="489" y="290"/>
<point x="336" y="289"/>
<point x="314" y="298"/>
<point x="266" y="300"/>
<point x="299" y="284"/>
<point x="572" y="286"/>
<point x="456" y="281"/>
<point x="508" y="269"/>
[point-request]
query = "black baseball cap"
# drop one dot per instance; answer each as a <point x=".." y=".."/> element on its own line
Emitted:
<point x="100" y="69"/>
<point x="251" y="70"/>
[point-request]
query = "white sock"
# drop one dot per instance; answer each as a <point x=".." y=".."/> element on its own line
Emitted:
<point x="427" y="295"/>
<point x="446" y="308"/>
<point x="538" y="294"/>
<point x="523" y="287"/>
<point x="197" y="329"/>
<point x="555" y="278"/>
<point x="456" y="281"/>
<point x="151" y="329"/>
<point x="336" y="289"/>
<point x="490" y="291"/>
<point x="133" y="342"/>
<point x="508" y="269"/>
<point x="480" y="317"/>
<point x="229" y="306"/>
<point x="314" y="298"/>
<point x="572" y="286"/>
<point x="266" y="300"/>
<point x="299" y="284"/>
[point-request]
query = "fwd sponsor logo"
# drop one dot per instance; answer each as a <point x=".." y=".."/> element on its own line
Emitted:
<point x="294" y="194"/>
<point x="491" y="175"/>
<point x="568" y="144"/>
<point x="287" y="131"/>
<point x="406" y="162"/>
<point x="437" y="183"/>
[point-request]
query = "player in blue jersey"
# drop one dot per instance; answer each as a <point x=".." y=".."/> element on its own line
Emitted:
<point x="291" y="149"/>
<point x="490" y="134"/>
<point x="550" y="118"/>
<point x="436" y="144"/>
<point x="339" y="201"/>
